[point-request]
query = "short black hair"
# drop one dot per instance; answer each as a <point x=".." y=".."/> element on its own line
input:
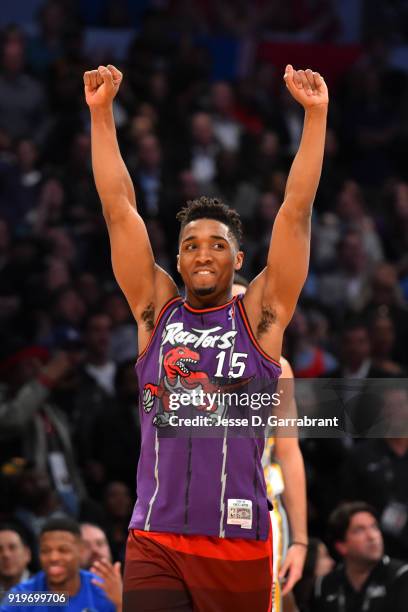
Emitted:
<point x="18" y="529"/>
<point x="340" y="518"/>
<point x="211" y="208"/>
<point x="62" y="524"/>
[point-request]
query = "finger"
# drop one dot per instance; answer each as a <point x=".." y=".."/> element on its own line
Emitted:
<point x="297" y="79"/>
<point x="291" y="79"/>
<point x="310" y="78"/>
<point x="292" y="579"/>
<point x="106" y="76"/>
<point x="86" y="79"/>
<point x="92" y="79"/>
<point x="117" y="568"/>
<point x="101" y="585"/>
<point x="288" y="72"/>
<point x="284" y="570"/>
<point x="99" y="79"/>
<point x="318" y="80"/>
<point x="305" y="82"/>
<point x="102" y="570"/>
<point x="116" y="74"/>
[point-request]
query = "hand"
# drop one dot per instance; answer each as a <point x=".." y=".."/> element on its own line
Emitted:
<point x="112" y="580"/>
<point x="292" y="567"/>
<point x="307" y="87"/>
<point x="57" y="367"/>
<point x="102" y="85"/>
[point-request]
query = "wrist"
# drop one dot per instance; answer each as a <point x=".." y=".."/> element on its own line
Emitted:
<point x="101" y="112"/>
<point x="317" y="110"/>
<point x="301" y="542"/>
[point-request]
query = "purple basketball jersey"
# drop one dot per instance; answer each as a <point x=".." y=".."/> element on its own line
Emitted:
<point x="192" y="485"/>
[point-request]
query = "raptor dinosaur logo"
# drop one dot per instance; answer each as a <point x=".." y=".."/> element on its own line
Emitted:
<point x="179" y="378"/>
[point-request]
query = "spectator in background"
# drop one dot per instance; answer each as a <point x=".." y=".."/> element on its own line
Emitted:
<point x="37" y="501"/>
<point x="15" y="556"/>
<point x="149" y="175"/>
<point x="114" y="438"/>
<point x="382" y="335"/>
<point x="118" y="506"/>
<point x="231" y="187"/>
<point x="227" y="130"/>
<point x="396" y="230"/>
<point x="23" y="105"/>
<point x="376" y="470"/>
<point x="367" y="580"/>
<point x="97" y="364"/>
<point x="384" y="294"/>
<point x="96" y="546"/>
<point x="123" y="344"/>
<point x="204" y="150"/>
<point x="355" y="353"/>
<point x="318" y="564"/>
<point x="309" y="359"/>
<point x="343" y="287"/>
<point x="60" y="555"/>
<point x="37" y="428"/>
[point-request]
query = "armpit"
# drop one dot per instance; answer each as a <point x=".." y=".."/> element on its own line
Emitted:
<point x="268" y="317"/>
<point x="148" y="317"/>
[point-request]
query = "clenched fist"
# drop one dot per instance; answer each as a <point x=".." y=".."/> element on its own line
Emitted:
<point x="307" y="87"/>
<point x="102" y="85"/>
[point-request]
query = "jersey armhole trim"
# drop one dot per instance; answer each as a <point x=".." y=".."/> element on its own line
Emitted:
<point x="156" y="325"/>
<point x="252" y="337"/>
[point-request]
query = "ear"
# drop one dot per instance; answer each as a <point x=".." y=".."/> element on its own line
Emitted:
<point x="178" y="263"/>
<point x="239" y="260"/>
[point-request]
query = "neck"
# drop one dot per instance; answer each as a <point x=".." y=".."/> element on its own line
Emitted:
<point x="358" y="572"/>
<point x="208" y="301"/>
<point x="70" y="586"/>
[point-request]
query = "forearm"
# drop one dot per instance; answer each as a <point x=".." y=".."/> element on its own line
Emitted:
<point x="18" y="411"/>
<point x="306" y="169"/>
<point x="294" y="495"/>
<point x="112" y="178"/>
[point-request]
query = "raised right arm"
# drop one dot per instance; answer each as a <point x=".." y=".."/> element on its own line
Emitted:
<point x="146" y="286"/>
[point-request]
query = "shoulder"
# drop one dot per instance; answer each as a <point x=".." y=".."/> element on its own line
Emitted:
<point x="396" y="569"/>
<point x="327" y="585"/>
<point x="35" y="583"/>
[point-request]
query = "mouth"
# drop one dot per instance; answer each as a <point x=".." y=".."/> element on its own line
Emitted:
<point x="180" y="364"/>
<point x="56" y="570"/>
<point x="203" y="272"/>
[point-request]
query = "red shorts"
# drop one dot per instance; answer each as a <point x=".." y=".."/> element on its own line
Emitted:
<point x="180" y="573"/>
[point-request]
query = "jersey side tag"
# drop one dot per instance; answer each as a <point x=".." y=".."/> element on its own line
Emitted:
<point x="240" y="513"/>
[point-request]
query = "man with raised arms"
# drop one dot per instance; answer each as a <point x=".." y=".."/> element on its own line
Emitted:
<point x="200" y="534"/>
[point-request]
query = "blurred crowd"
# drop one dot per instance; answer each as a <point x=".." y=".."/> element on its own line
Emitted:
<point x="69" y="433"/>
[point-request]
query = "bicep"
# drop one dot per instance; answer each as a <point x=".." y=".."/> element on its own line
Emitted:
<point x="288" y="261"/>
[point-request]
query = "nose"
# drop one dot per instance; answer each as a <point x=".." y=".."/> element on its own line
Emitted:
<point x="203" y="255"/>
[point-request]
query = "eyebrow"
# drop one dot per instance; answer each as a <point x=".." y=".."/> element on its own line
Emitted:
<point x="214" y="237"/>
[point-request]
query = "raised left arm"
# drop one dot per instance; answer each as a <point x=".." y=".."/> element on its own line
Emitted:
<point x="288" y="257"/>
<point x="273" y="295"/>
